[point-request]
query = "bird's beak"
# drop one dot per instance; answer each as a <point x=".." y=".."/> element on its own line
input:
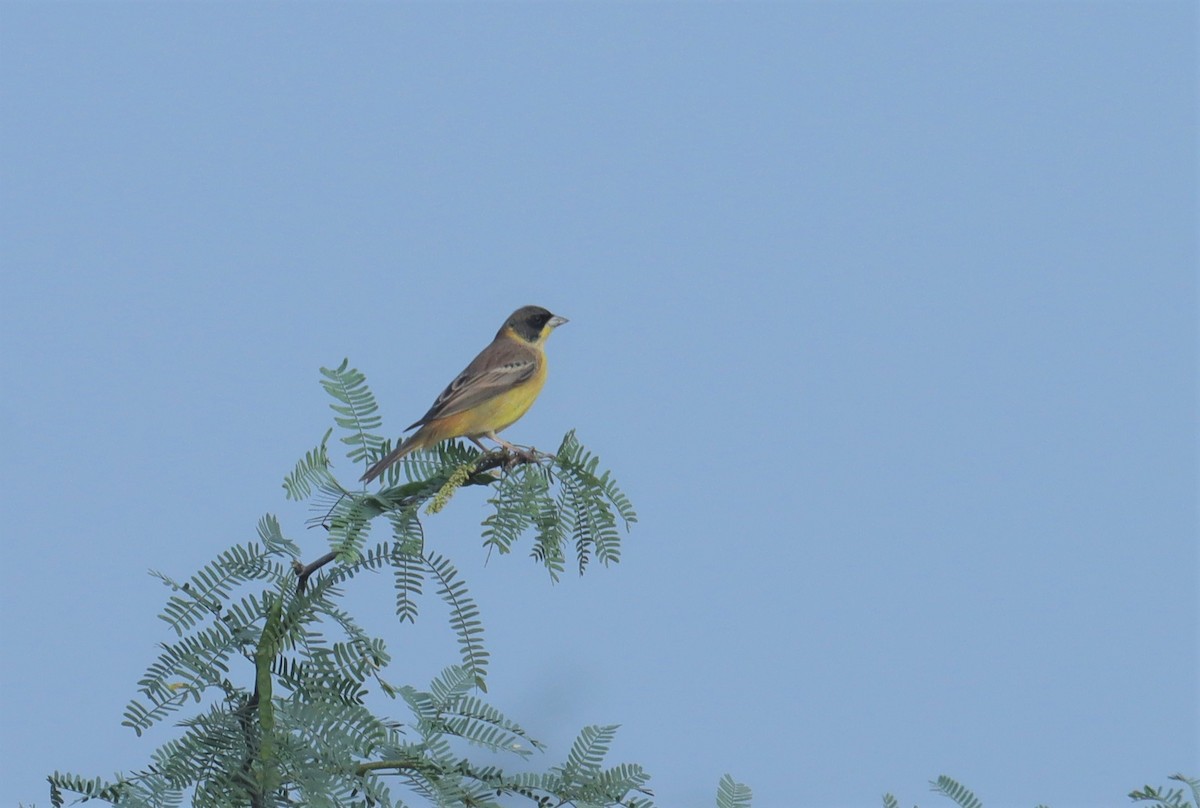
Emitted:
<point x="556" y="321"/>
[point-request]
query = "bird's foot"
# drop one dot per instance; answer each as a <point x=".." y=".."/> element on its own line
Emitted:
<point x="525" y="454"/>
<point x="510" y="455"/>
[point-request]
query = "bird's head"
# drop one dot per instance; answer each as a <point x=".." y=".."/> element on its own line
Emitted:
<point x="532" y="323"/>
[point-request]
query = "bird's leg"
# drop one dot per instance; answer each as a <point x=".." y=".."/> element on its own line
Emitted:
<point x="513" y="447"/>
<point x="501" y="441"/>
<point x="502" y="447"/>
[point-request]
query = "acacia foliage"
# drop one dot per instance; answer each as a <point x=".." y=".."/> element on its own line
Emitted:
<point x="1157" y="797"/>
<point x="270" y="679"/>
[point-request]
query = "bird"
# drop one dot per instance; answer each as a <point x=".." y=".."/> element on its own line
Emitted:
<point x="497" y="388"/>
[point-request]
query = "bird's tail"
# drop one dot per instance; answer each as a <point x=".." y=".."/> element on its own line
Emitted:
<point x="414" y="441"/>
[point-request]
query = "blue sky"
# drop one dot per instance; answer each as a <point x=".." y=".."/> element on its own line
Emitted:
<point x="883" y="314"/>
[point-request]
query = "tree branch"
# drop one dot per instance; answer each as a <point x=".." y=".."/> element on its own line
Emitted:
<point x="421" y="490"/>
<point x="304" y="571"/>
<point x="423" y="766"/>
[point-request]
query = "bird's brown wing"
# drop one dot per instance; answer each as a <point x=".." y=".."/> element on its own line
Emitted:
<point x="499" y="367"/>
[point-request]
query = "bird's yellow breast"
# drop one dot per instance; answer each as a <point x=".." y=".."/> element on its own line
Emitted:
<point x="496" y="413"/>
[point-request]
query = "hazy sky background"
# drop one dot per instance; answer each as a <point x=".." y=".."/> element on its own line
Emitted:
<point x="884" y="315"/>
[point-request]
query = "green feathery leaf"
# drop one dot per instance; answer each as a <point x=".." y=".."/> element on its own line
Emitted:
<point x="587" y="754"/>
<point x="203" y="593"/>
<point x="273" y="539"/>
<point x="517" y="500"/>
<point x="955" y="791"/>
<point x="590" y="504"/>
<point x="732" y="794"/>
<point x="464" y="617"/>
<point x="407" y="559"/>
<point x="88" y="788"/>
<point x="355" y="411"/>
<point x="1170" y="797"/>
<point x="312" y="471"/>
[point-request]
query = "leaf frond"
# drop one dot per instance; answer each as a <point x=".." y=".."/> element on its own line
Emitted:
<point x="587" y="754"/>
<point x="1170" y="797"/>
<point x="311" y="471"/>
<point x="949" y="787"/>
<point x="355" y="411"/>
<point x="464" y="617"/>
<point x="732" y="794"/>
